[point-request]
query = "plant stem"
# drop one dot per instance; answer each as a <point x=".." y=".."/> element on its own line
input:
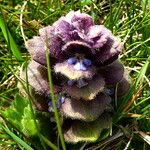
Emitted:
<point x="53" y="98"/>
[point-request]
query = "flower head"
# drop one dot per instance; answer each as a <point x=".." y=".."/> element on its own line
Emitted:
<point x="85" y="70"/>
<point x="76" y="33"/>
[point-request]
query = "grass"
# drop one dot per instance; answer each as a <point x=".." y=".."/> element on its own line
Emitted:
<point x="130" y="20"/>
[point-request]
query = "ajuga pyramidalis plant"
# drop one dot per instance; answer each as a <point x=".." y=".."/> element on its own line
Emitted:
<point x="86" y="73"/>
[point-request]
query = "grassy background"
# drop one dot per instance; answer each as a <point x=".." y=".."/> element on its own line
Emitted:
<point x="130" y="20"/>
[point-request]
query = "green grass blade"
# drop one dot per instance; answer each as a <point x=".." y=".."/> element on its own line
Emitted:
<point x="143" y="72"/>
<point x="49" y="143"/>
<point x="32" y="112"/>
<point x="10" y="41"/>
<point x="53" y="99"/>
<point x="17" y="139"/>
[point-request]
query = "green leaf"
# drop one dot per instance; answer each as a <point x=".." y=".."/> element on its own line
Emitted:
<point x="10" y="41"/>
<point x="20" y="115"/>
<point x="19" y="104"/>
<point x="14" y="117"/>
<point x="27" y="122"/>
<point x="16" y="110"/>
<point x="86" y="2"/>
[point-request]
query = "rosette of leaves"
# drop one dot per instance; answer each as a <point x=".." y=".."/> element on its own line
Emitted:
<point x="85" y="73"/>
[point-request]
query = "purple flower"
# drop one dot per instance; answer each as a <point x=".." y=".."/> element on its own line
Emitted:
<point x="59" y="102"/>
<point x="76" y="33"/>
<point x="84" y="68"/>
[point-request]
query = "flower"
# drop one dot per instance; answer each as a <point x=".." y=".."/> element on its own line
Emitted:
<point x="75" y="33"/>
<point x="85" y="73"/>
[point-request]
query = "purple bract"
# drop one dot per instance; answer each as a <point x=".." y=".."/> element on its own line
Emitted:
<point x="76" y="33"/>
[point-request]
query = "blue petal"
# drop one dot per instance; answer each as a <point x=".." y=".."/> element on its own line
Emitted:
<point x="80" y="66"/>
<point x="50" y="103"/>
<point x="110" y="91"/>
<point x="50" y="106"/>
<point x="72" y="61"/>
<point x="87" y="62"/>
<point x="62" y="100"/>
